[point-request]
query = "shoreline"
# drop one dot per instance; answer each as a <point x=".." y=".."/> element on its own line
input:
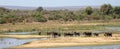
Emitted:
<point x="66" y="45"/>
<point x="62" y="46"/>
<point x="72" y="41"/>
<point x="24" y="36"/>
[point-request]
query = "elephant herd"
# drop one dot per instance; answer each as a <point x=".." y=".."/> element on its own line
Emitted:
<point x="71" y="34"/>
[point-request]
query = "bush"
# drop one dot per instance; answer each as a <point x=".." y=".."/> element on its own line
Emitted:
<point x="55" y="17"/>
<point x="2" y="21"/>
<point x="108" y="17"/>
<point x="19" y="30"/>
<point x="41" y="19"/>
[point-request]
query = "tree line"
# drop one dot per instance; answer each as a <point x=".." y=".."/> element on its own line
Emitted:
<point x="105" y="12"/>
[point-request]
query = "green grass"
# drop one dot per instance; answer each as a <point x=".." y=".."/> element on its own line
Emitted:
<point x="44" y="27"/>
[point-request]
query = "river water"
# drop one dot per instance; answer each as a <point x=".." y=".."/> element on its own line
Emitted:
<point x="9" y="42"/>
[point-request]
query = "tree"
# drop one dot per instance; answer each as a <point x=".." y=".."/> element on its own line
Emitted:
<point x="55" y="17"/>
<point x="3" y="9"/>
<point x="108" y="17"/>
<point x="116" y="10"/>
<point x="39" y="9"/>
<point x="39" y="18"/>
<point x="106" y="9"/>
<point x="70" y="16"/>
<point x="89" y="10"/>
<point x="2" y="21"/>
<point x="80" y="17"/>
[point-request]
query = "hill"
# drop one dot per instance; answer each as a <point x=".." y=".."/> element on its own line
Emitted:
<point x="47" y="8"/>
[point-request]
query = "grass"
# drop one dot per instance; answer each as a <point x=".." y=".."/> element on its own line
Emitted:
<point x="56" y="26"/>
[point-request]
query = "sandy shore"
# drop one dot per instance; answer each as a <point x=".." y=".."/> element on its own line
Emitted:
<point x="71" y="41"/>
<point x="24" y="36"/>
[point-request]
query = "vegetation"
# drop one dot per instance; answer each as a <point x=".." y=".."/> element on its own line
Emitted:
<point x="105" y="12"/>
<point x="65" y="20"/>
<point x="56" y="26"/>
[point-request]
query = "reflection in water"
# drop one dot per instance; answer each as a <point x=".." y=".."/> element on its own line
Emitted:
<point x="8" y="42"/>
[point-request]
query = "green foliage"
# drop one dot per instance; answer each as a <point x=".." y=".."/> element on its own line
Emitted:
<point x="105" y="12"/>
<point x="18" y="30"/>
<point x="55" y="17"/>
<point x="2" y="21"/>
<point x="70" y="16"/>
<point x="79" y="17"/>
<point x="107" y="17"/>
<point x="39" y="9"/>
<point x="106" y="9"/>
<point x="115" y="16"/>
<point x="116" y="10"/>
<point x="40" y="18"/>
<point x="89" y="10"/>
<point x="2" y="9"/>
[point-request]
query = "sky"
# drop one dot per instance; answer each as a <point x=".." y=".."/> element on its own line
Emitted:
<point x="58" y="3"/>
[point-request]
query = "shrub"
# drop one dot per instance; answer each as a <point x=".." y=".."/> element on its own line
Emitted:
<point x="2" y="21"/>
<point x="41" y="19"/>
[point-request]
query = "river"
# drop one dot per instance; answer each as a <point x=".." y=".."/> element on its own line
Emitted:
<point x="9" y="42"/>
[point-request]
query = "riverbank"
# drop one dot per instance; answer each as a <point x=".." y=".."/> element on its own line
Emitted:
<point x="71" y="41"/>
<point x="24" y="36"/>
<point x="56" y="26"/>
